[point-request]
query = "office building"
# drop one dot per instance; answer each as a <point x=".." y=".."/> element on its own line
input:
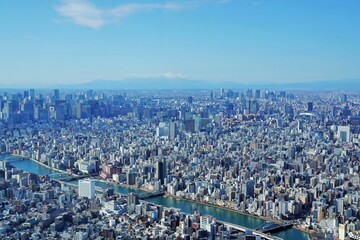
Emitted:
<point x="173" y="130"/>
<point x="87" y="188"/>
<point x="310" y="106"/>
<point x="160" y="171"/>
<point x="32" y="94"/>
<point x="130" y="177"/>
<point x="56" y="94"/>
<point x="132" y="199"/>
<point x="343" y="133"/>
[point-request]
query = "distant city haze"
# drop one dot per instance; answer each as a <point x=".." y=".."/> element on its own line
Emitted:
<point x="67" y="42"/>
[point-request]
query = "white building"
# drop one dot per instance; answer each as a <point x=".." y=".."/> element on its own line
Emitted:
<point x="342" y="231"/>
<point x="86" y="166"/>
<point x="208" y="223"/>
<point x="344" y="133"/>
<point x="87" y="188"/>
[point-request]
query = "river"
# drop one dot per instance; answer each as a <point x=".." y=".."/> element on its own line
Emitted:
<point x="184" y="205"/>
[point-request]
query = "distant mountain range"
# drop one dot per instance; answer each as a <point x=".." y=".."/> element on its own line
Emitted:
<point x="166" y="84"/>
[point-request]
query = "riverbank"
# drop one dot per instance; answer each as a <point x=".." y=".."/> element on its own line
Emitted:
<point x="305" y="230"/>
<point x="224" y="208"/>
<point x="123" y="185"/>
<point x="166" y="195"/>
<point x="219" y="212"/>
<point x="184" y="203"/>
<point x="76" y="175"/>
<point x="42" y="164"/>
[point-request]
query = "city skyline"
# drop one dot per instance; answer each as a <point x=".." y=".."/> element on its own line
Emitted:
<point x="77" y="41"/>
<point x="247" y="162"/>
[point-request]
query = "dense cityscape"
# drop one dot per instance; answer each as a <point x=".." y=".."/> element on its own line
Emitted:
<point x="179" y="120"/>
<point x="289" y="157"/>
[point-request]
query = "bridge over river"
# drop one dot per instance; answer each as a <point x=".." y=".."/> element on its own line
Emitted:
<point x="254" y="232"/>
<point x="67" y="177"/>
<point x="12" y="158"/>
<point x="270" y="227"/>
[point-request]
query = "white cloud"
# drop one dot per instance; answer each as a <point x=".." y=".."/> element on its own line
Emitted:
<point x="157" y="75"/>
<point x="131" y="8"/>
<point x="173" y="75"/>
<point x="84" y="13"/>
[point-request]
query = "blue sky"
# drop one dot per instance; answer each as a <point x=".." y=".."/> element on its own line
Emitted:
<point x="45" y="42"/>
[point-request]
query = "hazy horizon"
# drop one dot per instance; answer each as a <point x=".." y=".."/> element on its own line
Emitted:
<point x="66" y="42"/>
<point x="186" y="84"/>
